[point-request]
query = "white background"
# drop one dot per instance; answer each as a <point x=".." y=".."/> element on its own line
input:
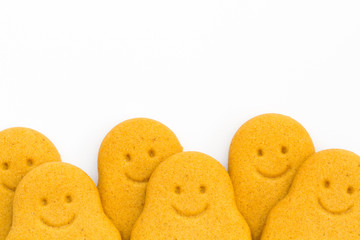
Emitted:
<point x="73" y="69"/>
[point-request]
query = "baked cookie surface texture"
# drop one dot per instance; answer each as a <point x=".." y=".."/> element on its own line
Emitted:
<point x="128" y="155"/>
<point x="264" y="156"/>
<point x="190" y="196"/>
<point x="59" y="201"/>
<point x="21" y="150"/>
<point x="323" y="202"/>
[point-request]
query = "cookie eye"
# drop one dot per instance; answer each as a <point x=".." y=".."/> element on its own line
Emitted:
<point x="30" y="162"/>
<point x="128" y="157"/>
<point x="260" y="152"/>
<point x="44" y="201"/>
<point x="151" y="153"/>
<point x="202" y="189"/>
<point x="5" y="166"/>
<point x="177" y="190"/>
<point x="68" y="199"/>
<point x="350" y="190"/>
<point x="326" y="183"/>
<point x="284" y="150"/>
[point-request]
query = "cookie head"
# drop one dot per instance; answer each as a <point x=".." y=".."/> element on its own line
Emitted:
<point x="54" y="195"/>
<point x="190" y="185"/>
<point x="332" y="180"/>
<point x="135" y="147"/>
<point x="271" y="146"/>
<point x="21" y="150"/>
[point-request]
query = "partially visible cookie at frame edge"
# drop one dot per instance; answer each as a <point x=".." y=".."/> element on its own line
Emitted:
<point x="264" y="156"/>
<point x="323" y="202"/>
<point x="21" y="150"/>
<point x="59" y="201"/>
<point x="128" y="155"/>
<point x="190" y="196"/>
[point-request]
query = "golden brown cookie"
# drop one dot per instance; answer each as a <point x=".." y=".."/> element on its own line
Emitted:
<point x="323" y="202"/>
<point x="59" y="201"/>
<point x="21" y="150"/>
<point x="128" y="155"/>
<point x="264" y="156"/>
<point x="190" y="196"/>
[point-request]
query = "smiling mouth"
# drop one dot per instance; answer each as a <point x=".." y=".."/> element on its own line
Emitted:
<point x="335" y="212"/>
<point x="274" y="175"/>
<point x="9" y="188"/>
<point x="144" y="180"/>
<point x="61" y="225"/>
<point x="191" y="215"/>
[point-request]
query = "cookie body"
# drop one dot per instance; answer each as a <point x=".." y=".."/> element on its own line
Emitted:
<point x="59" y="201"/>
<point x="323" y="202"/>
<point x="128" y="155"/>
<point x="21" y="150"/>
<point x="190" y="196"/>
<point x="264" y="156"/>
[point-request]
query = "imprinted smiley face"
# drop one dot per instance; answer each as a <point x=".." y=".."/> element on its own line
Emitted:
<point x="58" y="211"/>
<point x="57" y="201"/>
<point x="12" y="171"/>
<point x="273" y="161"/>
<point x="339" y="192"/>
<point x="21" y="150"/>
<point x="190" y="199"/>
<point x="140" y="163"/>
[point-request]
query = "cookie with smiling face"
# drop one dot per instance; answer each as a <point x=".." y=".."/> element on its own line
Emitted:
<point x="128" y="155"/>
<point x="21" y="149"/>
<point x="59" y="201"/>
<point x="264" y="156"/>
<point x="323" y="202"/>
<point x="190" y="196"/>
